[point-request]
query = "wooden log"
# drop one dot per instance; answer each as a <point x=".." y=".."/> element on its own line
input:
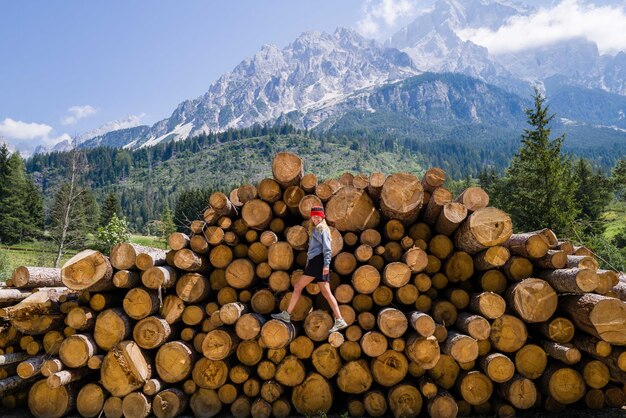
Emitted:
<point x="76" y="350"/>
<point x="126" y="279"/>
<point x="124" y="369"/>
<point x="558" y="329"/>
<point x="460" y="347"/>
<point x="488" y="304"/>
<point x="614" y="397"/>
<point x="529" y="244"/>
<point x="140" y="303"/>
<point x="475" y="387"/>
<point x="564" y="384"/>
<point x="396" y="274"/>
<point x="313" y="396"/>
<point x="473" y="198"/>
<point x="280" y="256"/>
<point x="392" y="322"/>
<point x="508" y="334"/>
<point x="51" y="366"/>
<point x="475" y="326"/>
<point x="81" y="318"/>
<point x="152" y="332"/>
<point x="484" y="228"/>
<point x="90" y="400"/>
<point x="492" y="257"/>
<point x="424" y="351"/>
<point x="290" y="371"/>
<point x="25" y="277"/>
<point x="136" y="405"/>
<point x="572" y="280"/>
<point x="404" y="400"/>
<point x="187" y="260"/>
<point x="317" y="324"/>
<point x="219" y="344"/>
<point x="65" y="377"/>
<point x="450" y="218"/>
<point x="159" y="277"/>
<point x="553" y="259"/>
<point x="442" y="405"/>
<point x="365" y="279"/>
<point x="518" y="268"/>
<point x="444" y="312"/>
<point x="178" y="241"/>
<point x="439" y="197"/>
<point x="459" y="267"/>
<point x="287" y="169"/>
<point x="47" y="402"/>
<point x="375" y="403"/>
<point x="277" y="334"/>
<point x="597" y="315"/>
<point x="169" y="403"/>
<point x="565" y="353"/>
<point x="595" y="373"/>
<point x="256" y="214"/>
<point x="88" y="269"/>
<point x="421" y="322"/>
<point x="534" y="300"/>
<point x="113" y="407"/>
<point x="112" y="327"/>
<point x="355" y="377"/>
<point x="401" y="197"/>
<point x="519" y="392"/>
<point x="351" y="209"/>
<point x="390" y="368"/>
<point x="582" y="262"/>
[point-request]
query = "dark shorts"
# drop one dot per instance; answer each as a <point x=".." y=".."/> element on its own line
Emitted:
<point x="314" y="268"/>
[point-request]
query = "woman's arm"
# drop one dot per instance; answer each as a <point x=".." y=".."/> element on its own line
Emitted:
<point x="326" y="250"/>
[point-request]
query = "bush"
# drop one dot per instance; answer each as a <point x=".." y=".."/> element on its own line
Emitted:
<point x="115" y="232"/>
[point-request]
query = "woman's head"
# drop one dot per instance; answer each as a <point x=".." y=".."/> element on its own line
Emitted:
<point x="317" y="214"/>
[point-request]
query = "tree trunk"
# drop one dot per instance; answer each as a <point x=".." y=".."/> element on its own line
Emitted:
<point x="598" y="315"/>
<point x="32" y="277"/>
<point x="88" y="269"/>
<point x="534" y="300"/>
<point x="484" y="228"/>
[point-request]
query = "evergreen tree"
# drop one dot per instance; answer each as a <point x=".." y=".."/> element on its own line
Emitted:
<point x="189" y="206"/>
<point x="168" y="225"/>
<point x="618" y="179"/>
<point x="110" y="207"/>
<point x="539" y="184"/>
<point x="34" y="205"/>
<point x="14" y="217"/>
<point x="592" y="195"/>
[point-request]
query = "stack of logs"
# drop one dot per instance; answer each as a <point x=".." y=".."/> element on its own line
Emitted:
<point x="450" y="313"/>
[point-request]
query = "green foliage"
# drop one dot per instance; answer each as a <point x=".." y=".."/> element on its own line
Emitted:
<point x="619" y="179"/>
<point x="539" y="187"/>
<point x="189" y="206"/>
<point x="21" y="210"/>
<point x="115" y="232"/>
<point x="168" y="226"/>
<point x="592" y="195"/>
<point x="110" y="207"/>
<point x="5" y="267"/>
<point x="607" y="252"/>
<point x="80" y="221"/>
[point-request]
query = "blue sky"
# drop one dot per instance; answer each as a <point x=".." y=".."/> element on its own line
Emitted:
<point x="71" y="66"/>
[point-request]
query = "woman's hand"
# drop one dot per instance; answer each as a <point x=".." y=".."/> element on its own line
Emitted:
<point x="326" y="270"/>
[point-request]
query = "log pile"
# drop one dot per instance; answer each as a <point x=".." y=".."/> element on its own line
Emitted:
<point x="450" y="312"/>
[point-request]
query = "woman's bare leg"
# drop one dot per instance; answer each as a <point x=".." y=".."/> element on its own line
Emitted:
<point x="328" y="294"/>
<point x="297" y="291"/>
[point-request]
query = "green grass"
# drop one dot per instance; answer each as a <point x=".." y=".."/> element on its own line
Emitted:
<point x="148" y="241"/>
<point x="43" y="253"/>
<point x="614" y="219"/>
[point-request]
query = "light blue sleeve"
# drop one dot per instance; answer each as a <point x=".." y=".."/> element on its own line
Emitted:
<point x="326" y="248"/>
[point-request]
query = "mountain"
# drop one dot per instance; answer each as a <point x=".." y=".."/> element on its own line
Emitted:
<point x="314" y="70"/>
<point x="322" y="79"/>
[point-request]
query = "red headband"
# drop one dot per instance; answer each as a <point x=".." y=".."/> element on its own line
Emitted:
<point x="319" y="213"/>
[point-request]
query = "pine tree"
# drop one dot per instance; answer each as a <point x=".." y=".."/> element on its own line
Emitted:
<point x="14" y="217"/>
<point x="168" y="226"/>
<point x="110" y="207"/>
<point x="618" y="179"/>
<point x="592" y="195"/>
<point x="539" y="183"/>
<point x="189" y="206"/>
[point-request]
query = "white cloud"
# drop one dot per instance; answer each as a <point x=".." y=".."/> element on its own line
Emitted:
<point x="37" y="133"/>
<point x="16" y="129"/>
<point x="604" y="25"/>
<point x="78" y="113"/>
<point x="382" y="12"/>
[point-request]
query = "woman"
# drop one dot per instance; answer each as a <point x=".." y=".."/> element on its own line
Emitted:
<point x="317" y="268"/>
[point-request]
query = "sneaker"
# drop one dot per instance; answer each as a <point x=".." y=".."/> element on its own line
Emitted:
<point x="339" y="325"/>
<point x="283" y="316"/>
